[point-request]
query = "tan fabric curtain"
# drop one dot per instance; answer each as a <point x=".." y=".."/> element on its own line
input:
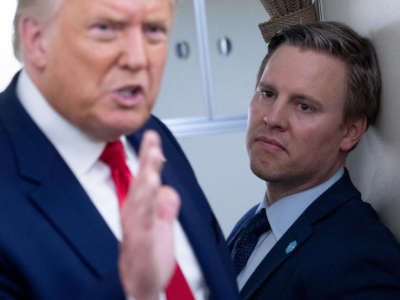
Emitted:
<point x="284" y="13"/>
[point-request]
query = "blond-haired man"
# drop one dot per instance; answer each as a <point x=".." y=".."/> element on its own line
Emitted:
<point x="312" y="237"/>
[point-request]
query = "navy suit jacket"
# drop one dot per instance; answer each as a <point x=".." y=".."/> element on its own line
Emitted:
<point x="342" y="252"/>
<point x="54" y="244"/>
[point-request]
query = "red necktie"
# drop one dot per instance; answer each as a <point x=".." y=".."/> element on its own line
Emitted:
<point x="114" y="156"/>
<point x="178" y="288"/>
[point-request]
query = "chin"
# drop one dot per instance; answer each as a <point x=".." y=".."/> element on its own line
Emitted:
<point x="126" y="126"/>
<point x="109" y="126"/>
<point x="266" y="172"/>
<point x="109" y="132"/>
<point x="259" y="171"/>
<point x="118" y="131"/>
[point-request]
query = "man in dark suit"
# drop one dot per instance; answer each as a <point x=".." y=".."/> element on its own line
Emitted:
<point x="71" y="125"/>
<point x="312" y="237"/>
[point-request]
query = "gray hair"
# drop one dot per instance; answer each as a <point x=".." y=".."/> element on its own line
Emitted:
<point x="41" y="10"/>
<point x="340" y="41"/>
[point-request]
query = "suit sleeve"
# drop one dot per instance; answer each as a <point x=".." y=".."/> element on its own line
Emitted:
<point x="109" y="287"/>
<point x="9" y="286"/>
<point x="12" y="287"/>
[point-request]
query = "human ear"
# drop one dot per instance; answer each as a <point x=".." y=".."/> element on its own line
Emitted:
<point x="31" y="35"/>
<point x="354" y="129"/>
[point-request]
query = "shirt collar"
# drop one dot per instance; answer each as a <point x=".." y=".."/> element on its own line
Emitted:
<point x="78" y="149"/>
<point x="292" y="206"/>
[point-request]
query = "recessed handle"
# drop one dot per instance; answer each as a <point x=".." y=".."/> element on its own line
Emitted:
<point x="224" y="45"/>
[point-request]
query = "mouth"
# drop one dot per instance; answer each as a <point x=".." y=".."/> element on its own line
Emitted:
<point x="129" y="95"/>
<point x="271" y="145"/>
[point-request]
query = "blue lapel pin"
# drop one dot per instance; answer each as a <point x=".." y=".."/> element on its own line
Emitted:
<point x="291" y="247"/>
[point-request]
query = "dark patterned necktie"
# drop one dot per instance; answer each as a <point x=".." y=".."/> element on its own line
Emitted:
<point x="247" y="239"/>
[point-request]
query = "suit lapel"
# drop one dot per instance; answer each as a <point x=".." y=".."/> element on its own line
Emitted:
<point x="54" y="191"/>
<point x="62" y="200"/>
<point x="285" y="248"/>
<point x="302" y="230"/>
<point x="200" y="227"/>
<point x="191" y="214"/>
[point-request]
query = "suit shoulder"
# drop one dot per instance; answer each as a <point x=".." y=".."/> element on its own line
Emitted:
<point x="355" y="224"/>
<point x="352" y="240"/>
<point x="173" y="151"/>
<point x="166" y="134"/>
<point x="359" y="220"/>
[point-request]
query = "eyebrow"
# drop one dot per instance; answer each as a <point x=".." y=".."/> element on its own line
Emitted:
<point x="157" y="21"/>
<point x="111" y="14"/>
<point x="115" y="15"/>
<point x="263" y="85"/>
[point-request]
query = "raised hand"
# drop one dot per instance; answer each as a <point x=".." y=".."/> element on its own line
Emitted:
<point x="147" y="250"/>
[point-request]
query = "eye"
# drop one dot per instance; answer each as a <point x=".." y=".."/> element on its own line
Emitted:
<point x="104" y="31"/>
<point x="102" y="27"/>
<point x="154" y="29"/>
<point x="305" y="107"/>
<point x="156" y="32"/>
<point x="265" y="94"/>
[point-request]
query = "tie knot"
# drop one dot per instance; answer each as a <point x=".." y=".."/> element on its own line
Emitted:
<point x="258" y="224"/>
<point x="113" y="154"/>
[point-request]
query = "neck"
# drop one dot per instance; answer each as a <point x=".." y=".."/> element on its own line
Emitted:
<point x="279" y="189"/>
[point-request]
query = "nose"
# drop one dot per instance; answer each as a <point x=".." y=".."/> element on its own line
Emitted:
<point x="134" y="55"/>
<point x="276" y="116"/>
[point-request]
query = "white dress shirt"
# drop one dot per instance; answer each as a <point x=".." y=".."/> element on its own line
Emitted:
<point x="81" y="153"/>
<point x="281" y="215"/>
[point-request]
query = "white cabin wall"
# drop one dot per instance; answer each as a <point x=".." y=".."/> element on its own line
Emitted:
<point x="219" y="160"/>
<point x="375" y="163"/>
